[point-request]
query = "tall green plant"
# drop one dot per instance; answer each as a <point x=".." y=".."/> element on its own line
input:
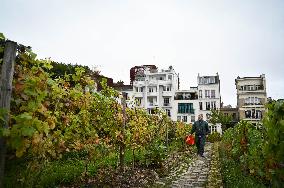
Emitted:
<point x="258" y="151"/>
<point x="274" y="142"/>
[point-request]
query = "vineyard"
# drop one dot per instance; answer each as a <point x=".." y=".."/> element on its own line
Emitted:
<point x="252" y="156"/>
<point x="61" y="123"/>
<point x="61" y="132"/>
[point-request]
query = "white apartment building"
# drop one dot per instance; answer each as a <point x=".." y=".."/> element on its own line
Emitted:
<point x="185" y="105"/>
<point x="155" y="89"/>
<point x="209" y="98"/>
<point x="251" y="98"/>
<point x="160" y="89"/>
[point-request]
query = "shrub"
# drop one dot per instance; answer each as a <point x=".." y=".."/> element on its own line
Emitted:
<point x="214" y="137"/>
<point x="257" y="151"/>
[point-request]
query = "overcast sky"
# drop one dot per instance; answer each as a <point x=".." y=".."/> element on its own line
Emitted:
<point x="232" y="37"/>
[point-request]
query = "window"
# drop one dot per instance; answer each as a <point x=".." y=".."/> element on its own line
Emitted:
<point x="136" y="89"/>
<point x="213" y="94"/>
<point x="213" y="105"/>
<point x="253" y="113"/>
<point x="258" y="114"/>
<point x="252" y="100"/>
<point x="184" y="118"/>
<point x="185" y="108"/>
<point x="213" y="128"/>
<point x="151" y="101"/>
<point x="234" y="116"/>
<point x="226" y="114"/>
<point x="151" y="110"/>
<point x="167" y="88"/>
<point x="207" y="105"/>
<point x="166" y="101"/>
<point x="152" y="89"/>
<point x="212" y="80"/>
<point x="192" y="118"/>
<point x="248" y="114"/>
<point x="256" y="100"/>
<point x="138" y="101"/>
<point x="178" y="118"/>
<point x="206" y="81"/>
<point x="168" y="112"/>
<point x="160" y="78"/>
<point x="207" y="93"/>
<point x="170" y="77"/>
<point x="200" y="106"/>
<point x="200" y="94"/>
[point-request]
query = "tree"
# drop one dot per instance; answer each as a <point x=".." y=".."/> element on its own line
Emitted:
<point x="218" y="117"/>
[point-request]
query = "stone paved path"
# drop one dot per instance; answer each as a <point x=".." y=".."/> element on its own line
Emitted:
<point x="194" y="174"/>
<point x="197" y="173"/>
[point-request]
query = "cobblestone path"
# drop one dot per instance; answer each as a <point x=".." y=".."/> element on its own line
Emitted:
<point x="197" y="173"/>
<point x="200" y="172"/>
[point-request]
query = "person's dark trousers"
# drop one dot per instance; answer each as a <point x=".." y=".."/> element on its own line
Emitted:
<point x="200" y="143"/>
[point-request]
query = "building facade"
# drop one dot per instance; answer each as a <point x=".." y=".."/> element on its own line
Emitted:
<point x="209" y="98"/>
<point x="185" y="105"/>
<point x="155" y="89"/>
<point x="251" y="98"/>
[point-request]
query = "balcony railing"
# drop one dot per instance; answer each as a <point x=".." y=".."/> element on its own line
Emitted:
<point x="191" y="111"/>
<point x="180" y="97"/>
<point x="152" y="93"/>
<point x="153" y="104"/>
<point x="253" y="103"/>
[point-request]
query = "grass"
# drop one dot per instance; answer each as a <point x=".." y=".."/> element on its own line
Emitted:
<point x="68" y="170"/>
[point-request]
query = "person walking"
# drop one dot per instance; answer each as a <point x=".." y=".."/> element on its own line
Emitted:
<point x="201" y="129"/>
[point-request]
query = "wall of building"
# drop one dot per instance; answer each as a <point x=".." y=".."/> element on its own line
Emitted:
<point x="251" y="97"/>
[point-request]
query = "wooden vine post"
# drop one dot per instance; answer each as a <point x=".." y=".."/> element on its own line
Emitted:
<point x="122" y="145"/>
<point x="5" y="96"/>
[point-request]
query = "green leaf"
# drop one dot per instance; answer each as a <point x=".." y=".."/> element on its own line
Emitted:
<point x="6" y="132"/>
<point x="24" y="116"/>
<point x="28" y="131"/>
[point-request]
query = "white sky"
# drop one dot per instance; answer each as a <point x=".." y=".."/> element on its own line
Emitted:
<point x="232" y="37"/>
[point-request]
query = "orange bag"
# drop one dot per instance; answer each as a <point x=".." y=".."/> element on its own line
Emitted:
<point x="190" y="140"/>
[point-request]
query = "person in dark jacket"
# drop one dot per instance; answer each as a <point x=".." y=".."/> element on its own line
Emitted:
<point x="201" y="129"/>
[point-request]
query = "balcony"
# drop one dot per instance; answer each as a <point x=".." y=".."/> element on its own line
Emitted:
<point x="152" y="93"/>
<point x="167" y="93"/>
<point x="138" y="83"/>
<point x="139" y="94"/>
<point x="151" y="104"/>
<point x="152" y="82"/>
<point x="186" y="96"/>
<point x="164" y="82"/>
<point x="253" y="104"/>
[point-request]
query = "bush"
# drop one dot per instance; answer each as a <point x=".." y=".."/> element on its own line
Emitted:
<point x="256" y="152"/>
<point x="214" y="137"/>
<point x="234" y="177"/>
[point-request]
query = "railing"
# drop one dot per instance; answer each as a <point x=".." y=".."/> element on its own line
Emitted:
<point x="153" y="104"/>
<point x="152" y="93"/>
<point x="191" y="111"/>
<point x="253" y="103"/>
